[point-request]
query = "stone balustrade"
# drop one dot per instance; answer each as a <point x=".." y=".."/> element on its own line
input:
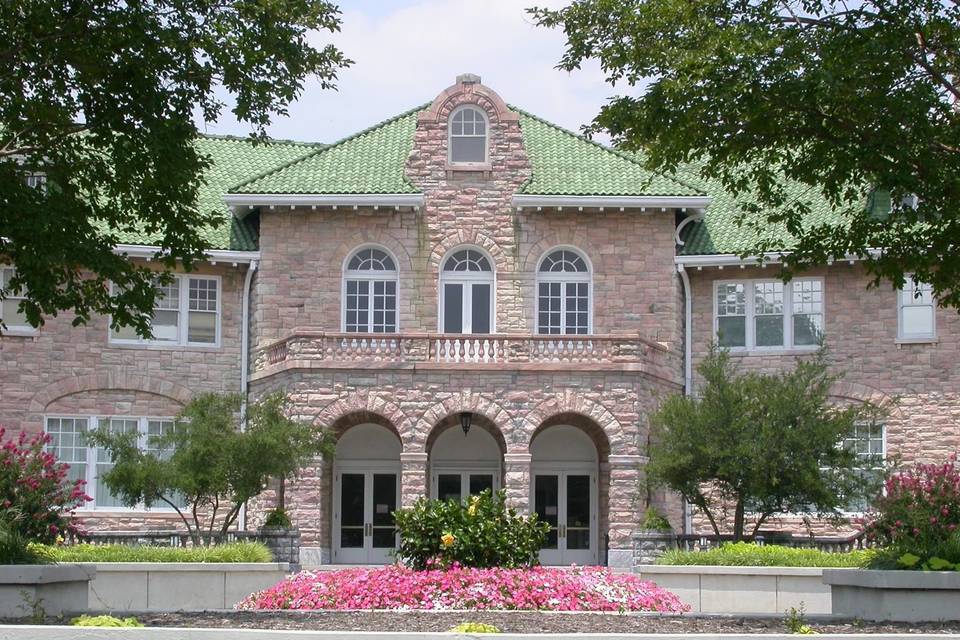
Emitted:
<point x="308" y="348"/>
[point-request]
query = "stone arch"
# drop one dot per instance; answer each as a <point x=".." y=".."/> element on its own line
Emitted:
<point x="569" y="238"/>
<point x="357" y="408"/>
<point x="857" y="392"/>
<point x="468" y="90"/>
<point x="467" y="237"/>
<point x="114" y="380"/>
<point x="370" y="237"/>
<point x="569" y="405"/>
<point x="417" y="432"/>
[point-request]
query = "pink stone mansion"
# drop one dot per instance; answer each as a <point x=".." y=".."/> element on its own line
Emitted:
<point x="471" y="297"/>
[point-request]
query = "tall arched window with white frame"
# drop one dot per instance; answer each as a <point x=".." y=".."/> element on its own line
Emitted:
<point x="468" y="135"/>
<point x="370" y="292"/>
<point x="564" y="291"/>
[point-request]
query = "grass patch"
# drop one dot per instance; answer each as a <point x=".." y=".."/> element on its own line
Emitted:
<point x="104" y="621"/>
<point x="746" y="554"/>
<point x="235" y="552"/>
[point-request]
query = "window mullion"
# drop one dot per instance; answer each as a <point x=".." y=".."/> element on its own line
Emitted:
<point x="750" y="301"/>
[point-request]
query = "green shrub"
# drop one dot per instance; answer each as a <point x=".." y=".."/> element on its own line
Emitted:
<point x="746" y="554"/>
<point x="481" y="532"/>
<point x="653" y="521"/>
<point x="474" y="627"/>
<point x="235" y="552"/>
<point x="104" y="621"/>
<point x="14" y="548"/>
<point x="278" y="518"/>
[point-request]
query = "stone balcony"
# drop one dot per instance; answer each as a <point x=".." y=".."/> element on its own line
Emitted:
<point x="314" y="349"/>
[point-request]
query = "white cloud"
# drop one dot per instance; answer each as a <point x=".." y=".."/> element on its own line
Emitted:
<point x="405" y="55"/>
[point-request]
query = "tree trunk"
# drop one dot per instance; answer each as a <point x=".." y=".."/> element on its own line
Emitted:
<point x="738" y="521"/>
<point x="282" y="493"/>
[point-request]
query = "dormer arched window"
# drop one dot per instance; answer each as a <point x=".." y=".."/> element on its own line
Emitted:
<point x="468" y="135"/>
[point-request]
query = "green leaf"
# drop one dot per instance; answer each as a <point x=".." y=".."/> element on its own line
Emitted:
<point x="908" y="560"/>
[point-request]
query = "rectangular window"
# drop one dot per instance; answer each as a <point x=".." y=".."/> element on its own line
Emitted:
<point x="13" y="320"/>
<point x="186" y="313"/>
<point x="776" y="316"/>
<point x="869" y="444"/>
<point x="370" y="306"/>
<point x="69" y="444"/>
<point x="917" y="311"/>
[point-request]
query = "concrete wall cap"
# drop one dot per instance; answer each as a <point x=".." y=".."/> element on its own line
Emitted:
<point x="156" y="567"/>
<point x="45" y="574"/>
<point x="678" y="569"/>
<point x="879" y="579"/>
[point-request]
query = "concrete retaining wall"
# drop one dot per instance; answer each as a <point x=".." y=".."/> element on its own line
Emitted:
<point x="902" y="596"/>
<point x="175" y="586"/>
<point x="56" y="588"/>
<point x="761" y="590"/>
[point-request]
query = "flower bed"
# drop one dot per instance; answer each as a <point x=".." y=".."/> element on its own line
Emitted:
<point x="745" y="554"/>
<point x="396" y="587"/>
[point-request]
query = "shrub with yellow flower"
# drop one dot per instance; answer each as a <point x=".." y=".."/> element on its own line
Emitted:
<point x="448" y="539"/>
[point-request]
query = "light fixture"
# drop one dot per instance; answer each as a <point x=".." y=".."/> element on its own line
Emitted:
<point x="465" y="419"/>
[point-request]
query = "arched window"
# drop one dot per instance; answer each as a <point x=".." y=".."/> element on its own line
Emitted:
<point x="466" y="292"/>
<point x="468" y="135"/>
<point x="563" y="293"/>
<point x="370" y="292"/>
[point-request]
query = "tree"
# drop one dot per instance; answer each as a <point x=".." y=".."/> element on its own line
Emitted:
<point x="98" y="99"/>
<point x="761" y="443"/>
<point x="853" y="102"/>
<point x="206" y="468"/>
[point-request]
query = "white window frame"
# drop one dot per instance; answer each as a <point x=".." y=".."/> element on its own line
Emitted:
<point x="14" y="329"/>
<point x="467" y="278"/>
<point x="183" y="282"/>
<point x="915" y="337"/>
<point x="93" y="423"/>
<point x="882" y="456"/>
<point x="750" y="337"/>
<point x="369" y="276"/>
<point x="563" y="277"/>
<point x="486" y="136"/>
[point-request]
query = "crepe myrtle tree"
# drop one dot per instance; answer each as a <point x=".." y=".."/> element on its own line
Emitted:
<point x="762" y="444"/>
<point x="100" y="104"/>
<point x="855" y="102"/>
<point x="206" y="468"/>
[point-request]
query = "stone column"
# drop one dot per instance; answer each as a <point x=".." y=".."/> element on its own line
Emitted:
<point x="413" y="477"/>
<point x="516" y="480"/>
<point x="624" y="507"/>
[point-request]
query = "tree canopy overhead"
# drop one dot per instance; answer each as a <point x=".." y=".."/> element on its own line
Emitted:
<point x="852" y="99"/>
<point x="100" y="98"/>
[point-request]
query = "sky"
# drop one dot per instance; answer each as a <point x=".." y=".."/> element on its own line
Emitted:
<point x="405" y="52"/>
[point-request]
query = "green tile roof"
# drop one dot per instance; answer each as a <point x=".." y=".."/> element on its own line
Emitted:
<point x="564" y="163"/>
<point x="373" y="161"/>
<point x="719" y="233"/>
<point x="233" y="159"/>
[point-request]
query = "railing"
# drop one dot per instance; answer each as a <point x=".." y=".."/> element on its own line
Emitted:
<point x="479" y="350"/>
<point x="156" y="538"/>
<point x="839" y="544"/>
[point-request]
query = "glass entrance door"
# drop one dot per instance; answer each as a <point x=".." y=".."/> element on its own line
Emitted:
<point x="363" y="517"/>
<point x="451" y="485"/>
<point x="565" y="500"/>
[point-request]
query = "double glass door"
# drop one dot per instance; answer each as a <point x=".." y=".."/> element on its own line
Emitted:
<point x="457" y="485"/>
<point x="365" y="500"/>
<point x="566" y="500"/>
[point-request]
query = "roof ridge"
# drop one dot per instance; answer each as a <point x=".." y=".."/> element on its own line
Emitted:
<point x="331" y="146"/>
<point x="611" y="150"/>
<point x="282" y="141"/>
